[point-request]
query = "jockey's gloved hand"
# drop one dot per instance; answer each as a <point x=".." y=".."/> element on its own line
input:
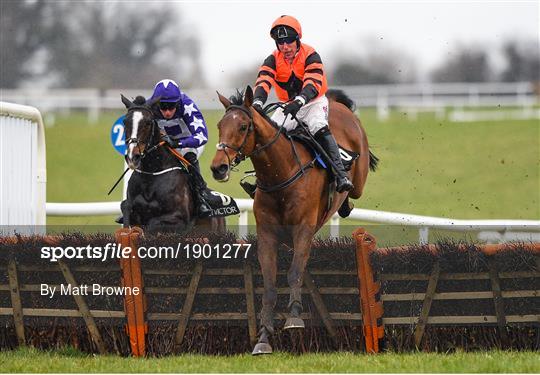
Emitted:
<point x="293" y="107"/>
<point x="171" y="142"/>
<point x="258" y="104"/>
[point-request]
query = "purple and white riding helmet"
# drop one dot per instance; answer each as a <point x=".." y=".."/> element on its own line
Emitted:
<point x="167" y="90"/>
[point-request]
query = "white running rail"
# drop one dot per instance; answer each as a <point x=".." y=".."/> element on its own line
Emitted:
<point x="423" y="223"/>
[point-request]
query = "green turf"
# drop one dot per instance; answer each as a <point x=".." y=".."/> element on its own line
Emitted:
<point x="69" y="360"/>
<point x="480" y="170"/>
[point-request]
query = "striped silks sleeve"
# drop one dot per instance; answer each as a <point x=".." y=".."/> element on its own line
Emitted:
<point x="313" y="77"/>
<point x="265" y="78"/>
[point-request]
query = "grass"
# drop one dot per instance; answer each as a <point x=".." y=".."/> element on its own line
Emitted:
<point x="428" y="167"/>
<point x="482" y="170"/>
<point x="69" y="360"/>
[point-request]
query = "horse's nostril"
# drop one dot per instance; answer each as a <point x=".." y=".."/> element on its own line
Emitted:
<point x="223" y="168"/>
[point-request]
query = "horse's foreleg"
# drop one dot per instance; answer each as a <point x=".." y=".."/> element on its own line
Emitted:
<point x="295" y="277"/>
<point x="125" y="207"/>
<point x="267" y="255"/>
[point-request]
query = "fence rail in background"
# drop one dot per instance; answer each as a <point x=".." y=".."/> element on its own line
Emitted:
<point x="498" y="230"/>
<point x="411" y="97"/>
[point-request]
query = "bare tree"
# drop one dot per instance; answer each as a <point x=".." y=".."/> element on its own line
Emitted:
<point x="358" y="73"/>
<point x="245" y="76"/>
<point x="466" y="64"/>
<point x="114" y="44"/>
<point x="522" y="61"/>
<point x="21" y="38"/>
<point x="374" y="63"/>
<point x="97" y="43"/>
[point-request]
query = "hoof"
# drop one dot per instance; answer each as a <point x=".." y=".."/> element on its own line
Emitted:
<point x="262" y="348"/>
<point x="292" y="323"/>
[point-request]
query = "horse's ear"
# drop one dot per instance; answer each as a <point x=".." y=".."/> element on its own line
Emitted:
<point x="226" y="102"/>
<point x="248" y="97"/>
<point x="152" y="101"/>
<point x="126" y="101"/>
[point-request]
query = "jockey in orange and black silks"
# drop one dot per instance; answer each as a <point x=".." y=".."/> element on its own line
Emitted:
<point x="297" y="73"/>
<point x="295" y="70"/>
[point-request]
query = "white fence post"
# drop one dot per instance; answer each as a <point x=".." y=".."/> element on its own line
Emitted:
<point x="334" y="226"/>
<point x="243" y="223"/>
<point x="423" y="235"/>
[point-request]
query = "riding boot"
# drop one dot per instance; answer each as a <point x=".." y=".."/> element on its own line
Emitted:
<point x="249" y="188"/>
<point x="203" y="208"/>
<point x="328" y="143"/>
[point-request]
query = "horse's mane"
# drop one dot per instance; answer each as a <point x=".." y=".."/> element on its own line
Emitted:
<point x="139" y="100"/>
<point x="238" y="99"/>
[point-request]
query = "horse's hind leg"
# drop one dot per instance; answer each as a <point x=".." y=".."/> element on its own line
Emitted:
<point x="295" y="276"/>
<point x="267" y="254"/>
<point x="359" y="175"/>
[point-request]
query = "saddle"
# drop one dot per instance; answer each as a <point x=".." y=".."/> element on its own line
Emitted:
<point x="300" y="135"/>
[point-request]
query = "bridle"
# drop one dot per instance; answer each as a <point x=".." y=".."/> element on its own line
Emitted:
<point x="137" y="141"/>
<point x="240" y="155"/>
<point x="148" y="151"/>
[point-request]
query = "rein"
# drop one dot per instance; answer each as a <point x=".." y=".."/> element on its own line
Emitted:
<point x="183" y="161"/>
<point x="240" y="156"/>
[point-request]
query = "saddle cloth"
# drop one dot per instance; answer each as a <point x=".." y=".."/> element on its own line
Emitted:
<point x="222" y="205"/>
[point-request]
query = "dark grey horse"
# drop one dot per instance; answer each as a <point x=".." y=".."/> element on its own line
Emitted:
<point x="159" y="196"/>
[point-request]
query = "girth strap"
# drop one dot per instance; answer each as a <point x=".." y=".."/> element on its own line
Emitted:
<point x="288" y="182"/>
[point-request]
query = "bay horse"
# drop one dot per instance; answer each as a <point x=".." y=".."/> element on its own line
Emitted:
<point x="159" y="195"/>
<point x="292" y="199"/>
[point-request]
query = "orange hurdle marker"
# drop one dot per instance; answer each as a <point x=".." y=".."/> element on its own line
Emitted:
<point x="370" y="300"/>
<point x="134" y="305"/>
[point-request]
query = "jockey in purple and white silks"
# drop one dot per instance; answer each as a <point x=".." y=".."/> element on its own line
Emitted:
<point x="180" y="119"/>
<point x="184" y="129"/>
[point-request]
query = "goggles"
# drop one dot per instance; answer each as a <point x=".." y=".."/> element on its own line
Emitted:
<point x="167" y="105"/>
<point x="287" y="40"/>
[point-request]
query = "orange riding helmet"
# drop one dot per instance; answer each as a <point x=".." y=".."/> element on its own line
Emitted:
<point x="286" y="27"/>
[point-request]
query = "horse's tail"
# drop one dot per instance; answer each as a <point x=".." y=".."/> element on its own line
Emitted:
<point x="373" y="161"/>
<point x="340" y="97"/>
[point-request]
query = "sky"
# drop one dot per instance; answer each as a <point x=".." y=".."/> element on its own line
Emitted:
<point x="234" y="35"/>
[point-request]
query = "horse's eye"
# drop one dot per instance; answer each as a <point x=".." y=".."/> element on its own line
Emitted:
<point x="243" y="127"/>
